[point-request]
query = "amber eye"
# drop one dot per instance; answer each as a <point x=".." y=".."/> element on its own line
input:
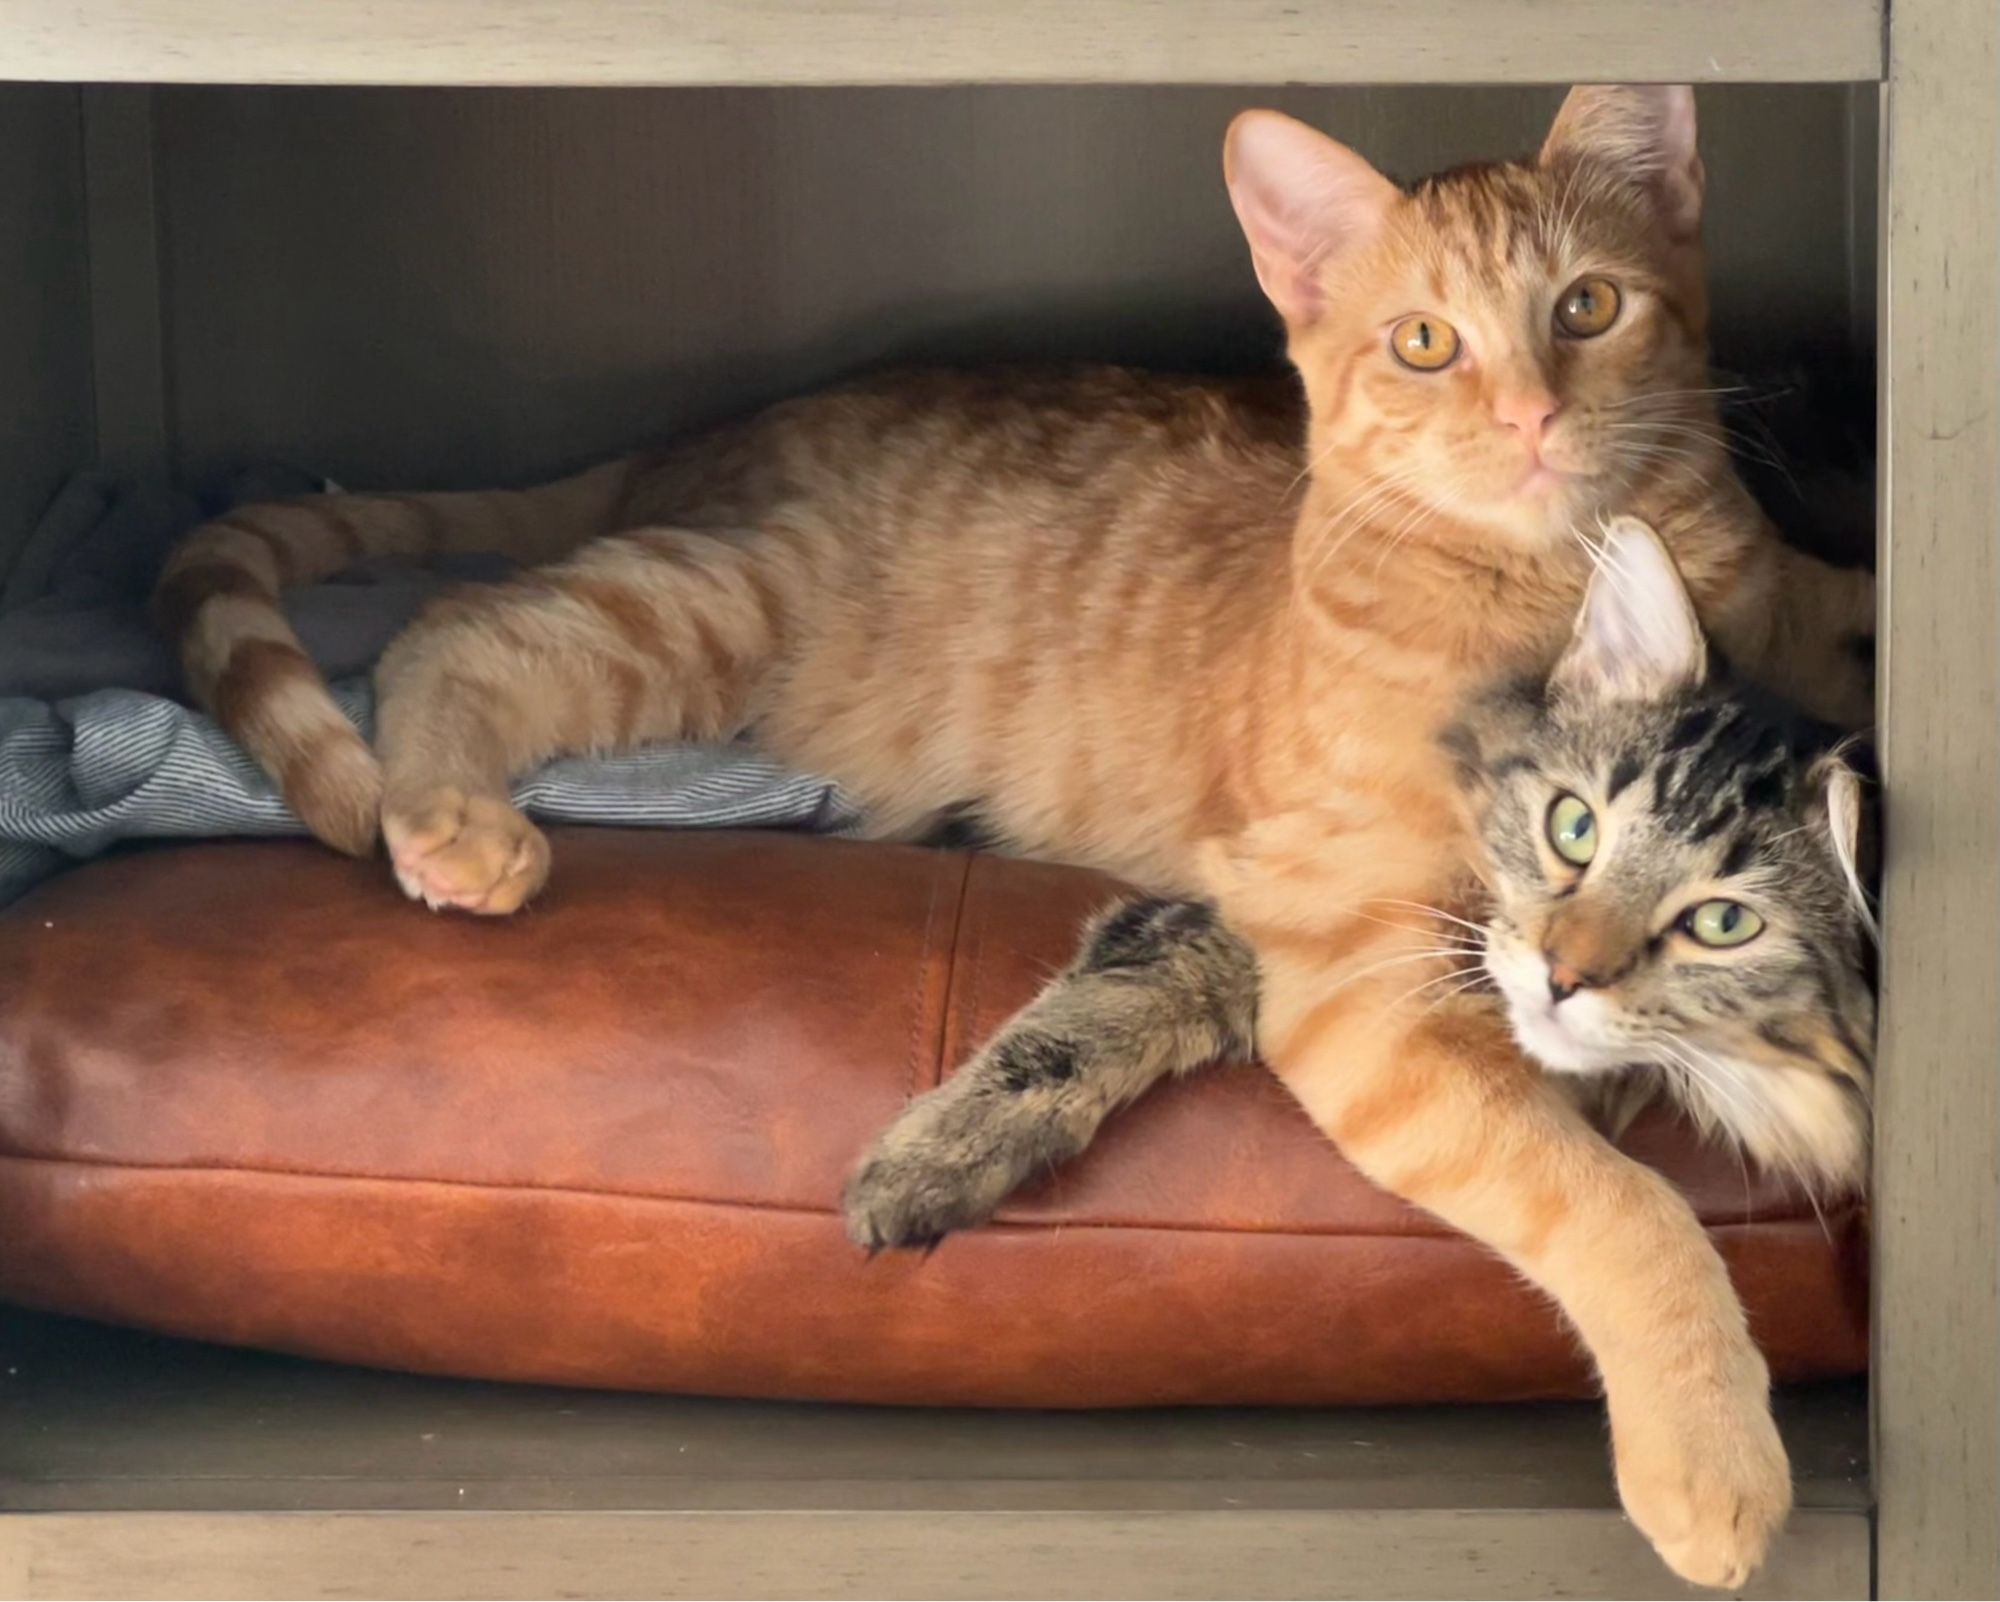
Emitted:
<point x="1587" y="308"/>
<point x="1428" y="344"/>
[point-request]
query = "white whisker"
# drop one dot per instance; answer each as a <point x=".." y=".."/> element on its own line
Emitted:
<point x="1435" y="912"/>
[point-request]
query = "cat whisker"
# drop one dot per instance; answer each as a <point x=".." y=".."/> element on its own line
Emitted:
<point x="1643" y="459"/>
<point x="1306" y="472"/>
<point x="1357" y="522"/>
<point x="1371" y="485"/>
<point x="1436" y="955"/>
<point x="1681" y="436"/>
<point x="1717" y="1105"/>
<point x="1708" y="1117"/>
<point x="1800" y="1171"/>
<point x="1653" y="414"/>
<point x="1568" y="216"/>
<point x="1661" y="396"/>
<point x="1591" y="553"/>
<point x="1354" y="512"/>
<point x="1604" y="558"/>
<point x="1396" y="537"/>
<point x="1719" y="435"/>
<point x="1430" y="911"/>
<point x="1444" y="503"/>
<point x="1473" y="982"/>
<point x="1770" y="445"/>
<point x="1467" y="977"/>
<point x="1721" y="1080"/>
<point x="1448" y="936"/>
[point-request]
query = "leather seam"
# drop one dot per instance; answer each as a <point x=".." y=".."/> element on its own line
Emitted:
<point x="975" y="978"/>
<point x="917" y="988"/>
<point x="1158" y="1226"/>
<point x="913" y="1057"/>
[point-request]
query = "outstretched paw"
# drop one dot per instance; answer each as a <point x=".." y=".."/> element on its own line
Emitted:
<point x="1709" y="1486"/>
<point x="472" y="853"/>
<point x="913" y="1199"/>
<point x="947" y="1163"/>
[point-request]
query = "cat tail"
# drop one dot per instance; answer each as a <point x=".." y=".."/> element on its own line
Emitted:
<point x="219" y="601"/>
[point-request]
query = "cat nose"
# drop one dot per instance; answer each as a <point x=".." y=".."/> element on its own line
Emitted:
<point x="1527" y="411"/>
<point x="1564" y="982"/>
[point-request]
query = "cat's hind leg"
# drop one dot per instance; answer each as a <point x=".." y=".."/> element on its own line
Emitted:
<point x="656" y="634"/>
<point x="1157" y="988"/>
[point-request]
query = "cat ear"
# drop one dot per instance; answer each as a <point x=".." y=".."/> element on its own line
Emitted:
<point x="1637" y="638"/>
<point x="1302" y="199"/>
<point x="1644" y="131"/>
<point x="1842" y="789"/>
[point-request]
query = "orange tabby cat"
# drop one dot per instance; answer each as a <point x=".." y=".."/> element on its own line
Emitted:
<point x="1167" y="629"/>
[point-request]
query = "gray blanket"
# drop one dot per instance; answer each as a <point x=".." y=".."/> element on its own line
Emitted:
<point x="94" y="750"/>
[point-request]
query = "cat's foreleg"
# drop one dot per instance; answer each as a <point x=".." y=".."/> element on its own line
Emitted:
<point x="1435" y="1103"/>
<point x="1157" y="988"/>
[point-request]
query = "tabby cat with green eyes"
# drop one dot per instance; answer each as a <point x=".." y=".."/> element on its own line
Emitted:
<point x="1670" y="898"/>
<point x="1673" y="872"/>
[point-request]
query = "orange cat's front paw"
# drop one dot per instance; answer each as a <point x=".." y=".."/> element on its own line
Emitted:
<point x="474" y="853"/>
<point x="1708" y="1484"/>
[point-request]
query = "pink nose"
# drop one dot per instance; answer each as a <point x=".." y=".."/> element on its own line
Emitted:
<point x="1528" y="410"/>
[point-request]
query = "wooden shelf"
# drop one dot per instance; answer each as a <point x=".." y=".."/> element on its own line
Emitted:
<point x="606" y="42"/>
<point x="132" y="1465"/>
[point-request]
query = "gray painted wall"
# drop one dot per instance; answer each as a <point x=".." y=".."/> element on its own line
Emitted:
<point x="454" y="287"/>
<point x="443" y="287"/>
<point x="45" y="386"/>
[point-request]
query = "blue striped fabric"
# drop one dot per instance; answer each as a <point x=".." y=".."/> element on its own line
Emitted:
<point x="77" y="776"/>
<point x="84" y="767"/>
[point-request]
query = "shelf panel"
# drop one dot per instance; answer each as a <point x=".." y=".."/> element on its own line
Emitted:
<point x="132" y="1465"/>
<point x="637" y="42"/>
<point x="1070" y="1555"/>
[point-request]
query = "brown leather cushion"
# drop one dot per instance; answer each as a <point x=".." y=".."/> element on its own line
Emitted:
<point x="249" y="1093"/>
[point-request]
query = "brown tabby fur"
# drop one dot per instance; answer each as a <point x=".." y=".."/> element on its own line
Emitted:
<point x="1163" y="628"/>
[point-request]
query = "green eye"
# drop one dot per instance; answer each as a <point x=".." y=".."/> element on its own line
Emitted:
<point x="1721" y="923"/>
<point x="1572" y="830"/>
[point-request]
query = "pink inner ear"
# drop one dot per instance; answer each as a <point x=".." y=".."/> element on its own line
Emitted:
<point x="1637" y="637"/>
<point x="1303" y="199"/>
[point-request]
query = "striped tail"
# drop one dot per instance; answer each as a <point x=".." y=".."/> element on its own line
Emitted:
<point x="219" y="600"/>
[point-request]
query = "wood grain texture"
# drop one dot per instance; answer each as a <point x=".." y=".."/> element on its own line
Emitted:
<point x="1937" y="1379"/>
<point x="45" y="374"/>
<point x="1071" y="1555"/>
<point x="101" y="1420"/>
<point x="138" y="1465"/>
<point x="604" y="42"/>
<point x="407" y="288"/>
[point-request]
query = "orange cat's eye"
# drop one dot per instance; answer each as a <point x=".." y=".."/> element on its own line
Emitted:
<point x="1428" y="344"/>
<point x="1588" y="307"/>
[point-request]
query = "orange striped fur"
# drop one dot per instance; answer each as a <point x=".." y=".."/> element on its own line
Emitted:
<point x="1189" y="632"/>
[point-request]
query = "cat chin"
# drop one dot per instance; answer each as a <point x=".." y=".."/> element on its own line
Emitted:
<point x="1569" y="1041"/>
<point x="1543" y="515"/>
<point x="1560" y="1041"/>
<point x="1554" y="1045"/>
